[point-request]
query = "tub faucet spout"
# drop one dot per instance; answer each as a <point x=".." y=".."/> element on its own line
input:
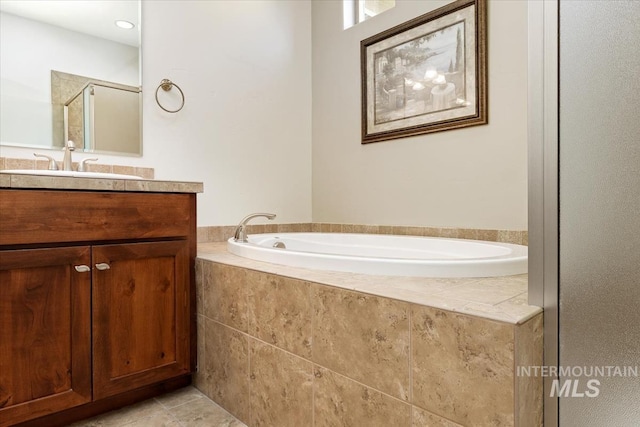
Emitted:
<point x="241" y="235"/>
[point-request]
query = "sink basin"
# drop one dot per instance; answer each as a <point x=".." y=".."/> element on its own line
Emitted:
<point x="74" y="174"/>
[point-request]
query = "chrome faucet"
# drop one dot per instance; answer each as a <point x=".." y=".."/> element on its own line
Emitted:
<point x="66" y="161"/>
<point x="241" y="235"/>
<point x="53" y="166"/>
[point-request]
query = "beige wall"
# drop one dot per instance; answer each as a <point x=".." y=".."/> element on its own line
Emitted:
<point x="474" y="177"/>
<point x="245" y="69"/>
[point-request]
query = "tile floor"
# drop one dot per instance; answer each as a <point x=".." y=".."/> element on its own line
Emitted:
<point x="186" y="407"/>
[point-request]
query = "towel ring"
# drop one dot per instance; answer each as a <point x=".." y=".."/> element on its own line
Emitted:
<point x="167" y="85"/>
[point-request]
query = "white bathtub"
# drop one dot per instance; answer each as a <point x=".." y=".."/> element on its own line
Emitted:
<point x="386" y="255"/>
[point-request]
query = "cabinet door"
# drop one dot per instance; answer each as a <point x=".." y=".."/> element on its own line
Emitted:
<point x="45" y="332"/>
<point x="140" y="315"/>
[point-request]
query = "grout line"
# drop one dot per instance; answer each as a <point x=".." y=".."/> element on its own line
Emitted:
<point x="180" y="423"/>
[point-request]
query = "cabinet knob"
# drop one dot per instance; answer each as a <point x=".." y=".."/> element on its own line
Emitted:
<point x="102" y="266"/>
<point x="82" y="268"/>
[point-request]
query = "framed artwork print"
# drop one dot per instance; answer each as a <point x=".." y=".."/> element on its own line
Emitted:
<point x="426" y="75"/>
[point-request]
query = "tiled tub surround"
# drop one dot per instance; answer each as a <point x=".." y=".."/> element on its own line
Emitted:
<point x="288" y="346"/>
<point x="224" y="232"/>
<point x="7" y="163"/>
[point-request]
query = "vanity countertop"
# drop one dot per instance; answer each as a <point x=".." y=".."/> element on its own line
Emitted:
<point x="25" y="181"/>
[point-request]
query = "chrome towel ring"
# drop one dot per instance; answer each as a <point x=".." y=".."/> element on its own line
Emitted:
<point x="167" y="85"/>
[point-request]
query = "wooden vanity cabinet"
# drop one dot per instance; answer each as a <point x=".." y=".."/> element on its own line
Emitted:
<point x="140" y="325"/>
<point x="97" y="301"/>
<point x="45" y="332"/>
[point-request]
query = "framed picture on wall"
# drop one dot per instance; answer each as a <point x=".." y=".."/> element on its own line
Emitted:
<point x="426" y="75"/>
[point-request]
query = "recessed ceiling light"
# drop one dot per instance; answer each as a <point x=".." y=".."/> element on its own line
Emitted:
<point x="124" y="24"/>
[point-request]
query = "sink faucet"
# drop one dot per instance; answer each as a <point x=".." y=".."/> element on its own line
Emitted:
<point x="240" y="235"/>
<point x="66" y="161"/>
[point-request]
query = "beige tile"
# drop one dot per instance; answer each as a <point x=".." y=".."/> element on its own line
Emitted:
<point x="487" y="235"/>
<point x="316" y="227"/>
<point x="66" y="183"/>
<point x="163" y="186"/>
<point x="281" y="388"/>
<point x="42" y="164"/>
<point x="518" y="308"/>
<point x="451" y="233"/>
<point x="126" y="415"/>
<point x="225" y="294"/>
<point x="204" y="413"/>
<point x="529" y="389"/>
<point x="284" y="228"/>
<point x="10" y="163"/>
<point x="369" y="229"/>
<point x="400" y="230"/>
<point x="227" y="368"/>
<point x="419" y="285"/>
<point x="348" y="228"/>
<point x="126" y="170"/>
<point x="200" y="376"/>
<point x="385" y="229"/>
<point x="509" y="236"/>
<point x="340" y="401"/>
<point x="415" y="231"/>
<point x="200" y="285"/>
<point x="364" y="337"/>
<point x="430" y="231"/>
<point x="2" y="163"/>
<point x="271" y="228"/>
<point x="179" y="397"/>
<point x="492" y="290"/>
<point x="99" y="167"/>
<point x="303" y="227"/>
<point x="280" y="311"/>
<point x="202" y="234"/>
<point x="488" y="311"/>
<point x="468" y="233"/>
<point x="5" y="181"/>
<point x="422" y="418"/>
<point x="325" y="227"/>
<point x="335" y="228"/>
<point x="463" y="367"/>
<point x="159" y="420"/>
<point x="227" y="232"/>
<point x="254" y="229"/>
<point x="215" y="234"/>
<point x="147" y="173"/>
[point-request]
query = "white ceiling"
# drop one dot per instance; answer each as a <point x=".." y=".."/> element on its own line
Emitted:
<point x="94" y="17"/>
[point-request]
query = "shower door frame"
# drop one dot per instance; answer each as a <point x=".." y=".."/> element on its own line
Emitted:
<point x="543" y="164"/>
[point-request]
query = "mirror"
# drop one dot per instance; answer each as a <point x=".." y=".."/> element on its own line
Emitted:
<point x="68" y="71"/>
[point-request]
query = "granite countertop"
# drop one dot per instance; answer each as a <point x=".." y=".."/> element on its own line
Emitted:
<point x="497" y="298"/>
<point x="26" y="181"/>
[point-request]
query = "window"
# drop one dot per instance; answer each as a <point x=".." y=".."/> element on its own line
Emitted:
<point x="356" y="11"/>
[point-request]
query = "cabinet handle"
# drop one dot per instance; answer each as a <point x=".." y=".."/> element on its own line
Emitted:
<point x="102" y="266"/>
<point x="82" y="268"/>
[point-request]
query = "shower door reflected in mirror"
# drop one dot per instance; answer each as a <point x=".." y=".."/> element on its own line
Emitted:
<point x="103" y="117"/>
<point x="34" y="44"/>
